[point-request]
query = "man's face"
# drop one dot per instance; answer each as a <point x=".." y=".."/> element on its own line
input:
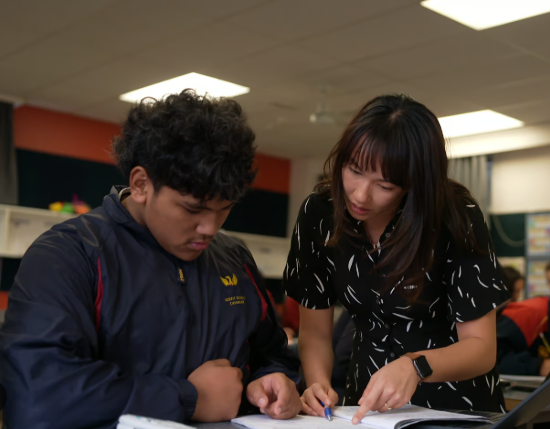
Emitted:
<point x="182" y="224"/>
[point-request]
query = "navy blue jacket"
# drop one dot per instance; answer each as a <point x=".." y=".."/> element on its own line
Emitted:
<point x="102" y="321"/>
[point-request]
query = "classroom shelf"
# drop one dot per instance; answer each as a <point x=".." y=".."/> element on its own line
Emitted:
<point x="20" y="226"/>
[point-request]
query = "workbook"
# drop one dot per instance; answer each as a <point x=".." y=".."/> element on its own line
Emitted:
<point x="394" y="419"/>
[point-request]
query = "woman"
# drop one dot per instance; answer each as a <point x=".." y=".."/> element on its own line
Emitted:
<point x="406" y="250"/>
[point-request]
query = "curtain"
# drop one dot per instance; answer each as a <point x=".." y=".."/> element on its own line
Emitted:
<point x="472" y="172"/>
<point x="8" y="161"/>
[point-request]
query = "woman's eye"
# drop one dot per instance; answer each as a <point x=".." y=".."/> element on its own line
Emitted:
<point x="354" y="171"/>
<point x="385" y="188"/>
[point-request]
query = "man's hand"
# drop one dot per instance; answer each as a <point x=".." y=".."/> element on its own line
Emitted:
<point x="275" y="395"/>
<point x="220" y="389"/>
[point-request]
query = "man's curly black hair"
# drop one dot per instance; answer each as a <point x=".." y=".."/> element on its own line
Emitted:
<point x="194" y="144"/>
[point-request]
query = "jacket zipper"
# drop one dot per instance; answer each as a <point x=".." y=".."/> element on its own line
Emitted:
<point x="181" y="280"/>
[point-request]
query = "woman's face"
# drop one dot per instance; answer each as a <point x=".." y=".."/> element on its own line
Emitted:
<point x="368" y="195"/>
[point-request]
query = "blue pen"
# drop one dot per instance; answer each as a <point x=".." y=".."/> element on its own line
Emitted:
<point x="328" y="413"/>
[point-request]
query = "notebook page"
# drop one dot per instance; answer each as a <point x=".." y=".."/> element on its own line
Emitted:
<point x="259" y="421"/>
<point x="390" y="419"/>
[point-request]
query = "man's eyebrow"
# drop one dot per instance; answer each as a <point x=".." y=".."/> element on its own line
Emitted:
<point x="196" y="206"/>
<point x="230" y="205"/>
<point x="202" y="206"/>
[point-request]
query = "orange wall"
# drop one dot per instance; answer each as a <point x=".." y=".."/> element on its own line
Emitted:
<point x="42" y="130"/>
<point x="62" y="134"/>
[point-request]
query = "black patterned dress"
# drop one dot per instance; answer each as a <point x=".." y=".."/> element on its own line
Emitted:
<point x="459" y="288"/>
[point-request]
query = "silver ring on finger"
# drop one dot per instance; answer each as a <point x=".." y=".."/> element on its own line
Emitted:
<point x="389" y="408"/>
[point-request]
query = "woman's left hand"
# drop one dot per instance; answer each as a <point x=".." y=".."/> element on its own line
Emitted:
<point x="389" y="388"/>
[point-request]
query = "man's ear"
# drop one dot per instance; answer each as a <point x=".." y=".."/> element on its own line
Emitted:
<point x="140" y="185"/>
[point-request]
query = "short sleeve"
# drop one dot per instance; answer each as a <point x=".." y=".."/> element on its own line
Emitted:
<point x="474" y="281"/>
<point x="308" y="276"/>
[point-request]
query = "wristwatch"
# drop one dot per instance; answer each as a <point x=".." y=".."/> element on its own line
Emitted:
<point x="423" y="368"/>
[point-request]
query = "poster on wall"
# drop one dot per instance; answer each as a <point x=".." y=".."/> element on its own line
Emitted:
<point x="538" y="235"/>
<point x="537" y="284"/>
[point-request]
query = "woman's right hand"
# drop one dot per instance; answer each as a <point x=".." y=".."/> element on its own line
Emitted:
<point x="315" y="393"/>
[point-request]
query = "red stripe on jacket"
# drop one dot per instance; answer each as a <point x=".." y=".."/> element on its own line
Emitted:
<point x="264" y="303"/>
<point x="99" y="296"/>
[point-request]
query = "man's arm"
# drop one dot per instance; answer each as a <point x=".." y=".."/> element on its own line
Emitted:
<point x="269" y="352"/>
<point x="49" y="352"/>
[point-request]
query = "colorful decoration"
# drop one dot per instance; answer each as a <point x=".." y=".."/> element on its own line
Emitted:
<point x="76" y="206"/>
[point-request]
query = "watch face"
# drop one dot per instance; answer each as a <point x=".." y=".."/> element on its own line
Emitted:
<point x="423" y="367"/>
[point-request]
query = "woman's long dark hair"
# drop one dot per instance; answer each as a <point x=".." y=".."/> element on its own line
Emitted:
<point x="404" y="138"/>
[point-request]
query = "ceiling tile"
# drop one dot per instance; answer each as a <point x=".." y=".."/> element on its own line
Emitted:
<point x="48" y="61"/>
<point x="270" y="66"/>
<point x="45" y="17"/>
<point x="344" y="78"/>
<point x="222" y="9"/>
<point x="131" y="25"/>
<point x="470" y="78"/>
<point x="13" y="38"/>
<point x="531" y="34"/>
<point x="107" y="81"/>
<point x="405" y="27"/>
<point x="111" y="110"/>
<point x="531" y="113"/>
<point x="212" y="45"/>
<point x="523" y="91"/>
<point x="442" y="54"/>
<point x="288" y="20"/>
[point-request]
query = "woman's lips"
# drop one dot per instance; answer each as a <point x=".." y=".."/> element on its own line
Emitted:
<point x="359" y="210"/>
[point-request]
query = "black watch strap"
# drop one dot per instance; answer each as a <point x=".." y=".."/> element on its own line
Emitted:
<point x="421" y="364"/>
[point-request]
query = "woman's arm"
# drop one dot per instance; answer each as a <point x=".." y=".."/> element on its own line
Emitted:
<point x="315" y="349"/>
<point x="474" y="354"/>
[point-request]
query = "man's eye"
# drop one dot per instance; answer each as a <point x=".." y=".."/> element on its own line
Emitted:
<point x="193" y="212"/>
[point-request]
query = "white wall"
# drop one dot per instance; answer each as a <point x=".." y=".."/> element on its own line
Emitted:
<point x="521" y="181"/>
<point x="303" y="177"/>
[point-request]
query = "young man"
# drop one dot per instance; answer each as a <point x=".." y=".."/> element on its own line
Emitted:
<point x="141" y="306"/>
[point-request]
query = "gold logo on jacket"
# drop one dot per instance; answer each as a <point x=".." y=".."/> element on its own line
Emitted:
<point x="228" y="281"/>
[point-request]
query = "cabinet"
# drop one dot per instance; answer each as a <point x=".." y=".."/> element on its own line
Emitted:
<point x="20" y="226"/>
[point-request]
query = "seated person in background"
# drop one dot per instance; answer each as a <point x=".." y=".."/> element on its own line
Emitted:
<point x="515" y="283"/>
<point x="139" y="306"/>
<point x="520" y="347"/>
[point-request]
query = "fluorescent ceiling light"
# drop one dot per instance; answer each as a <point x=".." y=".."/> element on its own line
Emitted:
<point x="482" y="14"/>
<point x="484" y="121"/>
<point x="200" y="83"/>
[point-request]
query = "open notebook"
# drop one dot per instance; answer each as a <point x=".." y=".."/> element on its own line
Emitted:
<point x="395" y="419"/>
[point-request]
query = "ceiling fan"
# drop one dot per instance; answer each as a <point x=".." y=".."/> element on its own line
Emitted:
<point x="323" y="114"/>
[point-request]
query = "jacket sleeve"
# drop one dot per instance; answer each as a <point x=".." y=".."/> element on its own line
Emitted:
<point x="49" y="351"/>
<point x="268" y="343"/>
<point x="513" y="356"/>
